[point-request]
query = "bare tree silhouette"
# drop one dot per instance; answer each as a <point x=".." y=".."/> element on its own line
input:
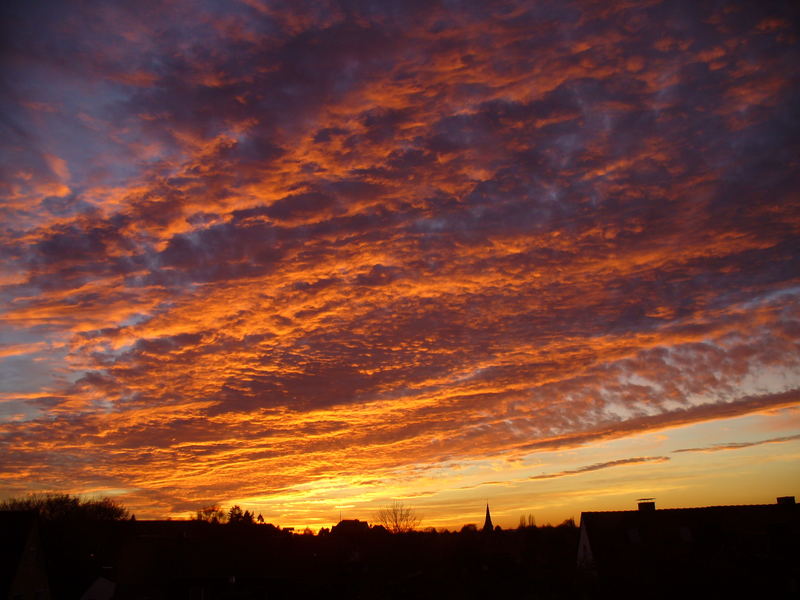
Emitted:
<point x="211" y="514"/>
<point x="398" y="518"/>
<point x="527" y="521"/>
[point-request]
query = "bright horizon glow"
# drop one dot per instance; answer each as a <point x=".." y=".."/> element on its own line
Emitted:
<point x="770" y="465"/>
<point x="311" y="257"/>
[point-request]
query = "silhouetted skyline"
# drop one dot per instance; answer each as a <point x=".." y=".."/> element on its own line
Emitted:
<point x="62" y="546"/>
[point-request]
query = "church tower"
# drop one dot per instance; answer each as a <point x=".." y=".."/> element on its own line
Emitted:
<point x="487" y="524"/>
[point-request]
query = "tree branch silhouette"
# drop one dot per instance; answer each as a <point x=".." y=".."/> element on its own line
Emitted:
<point x="398" y="518"/>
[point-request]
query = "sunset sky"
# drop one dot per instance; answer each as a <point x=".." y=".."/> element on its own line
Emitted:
<point x="312" y="256"/>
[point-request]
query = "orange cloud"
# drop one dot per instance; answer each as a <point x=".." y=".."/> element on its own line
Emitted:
<point x="280" y="249"/>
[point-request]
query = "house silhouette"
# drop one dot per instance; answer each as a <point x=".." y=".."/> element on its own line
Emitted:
<point x="656" y="553"/>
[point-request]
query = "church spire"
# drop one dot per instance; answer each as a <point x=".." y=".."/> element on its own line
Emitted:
<point x="487" y="524"/>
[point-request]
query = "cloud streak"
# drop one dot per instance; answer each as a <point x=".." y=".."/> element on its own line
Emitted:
<point x="739" y="445"/>
<point x="604" y="465"/>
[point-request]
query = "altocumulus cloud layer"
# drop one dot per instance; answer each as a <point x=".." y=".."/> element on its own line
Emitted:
<point x="252" y="245"/>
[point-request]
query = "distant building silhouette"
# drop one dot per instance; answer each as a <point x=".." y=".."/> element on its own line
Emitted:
<point x="350" y="527"/>
<point x="487" y="524"/>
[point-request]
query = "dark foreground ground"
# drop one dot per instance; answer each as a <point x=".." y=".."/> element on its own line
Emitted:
<point x="154" y="560"/>
<point x="197" y="560"/>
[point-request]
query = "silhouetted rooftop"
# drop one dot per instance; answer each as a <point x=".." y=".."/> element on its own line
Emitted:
<point x="732" y="541"/>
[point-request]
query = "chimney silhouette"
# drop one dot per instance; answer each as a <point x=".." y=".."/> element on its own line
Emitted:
<point x="646" y="504"/>
<point x="487" y="524"/>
